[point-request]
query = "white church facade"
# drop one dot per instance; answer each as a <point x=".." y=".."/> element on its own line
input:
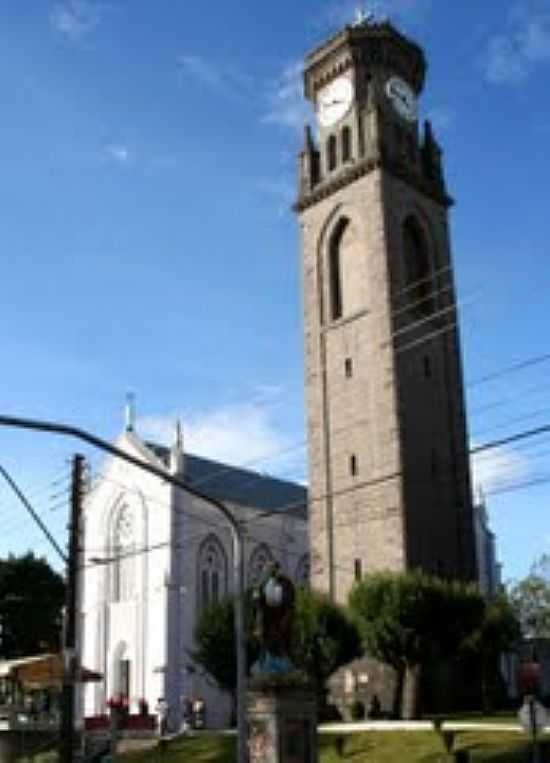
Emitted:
<point x="154" y="556"/>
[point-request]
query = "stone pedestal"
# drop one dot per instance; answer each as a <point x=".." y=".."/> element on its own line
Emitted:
<point x="282" y="726"/>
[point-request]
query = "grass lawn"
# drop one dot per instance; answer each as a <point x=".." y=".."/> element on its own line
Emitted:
<point x="370" y="747"/>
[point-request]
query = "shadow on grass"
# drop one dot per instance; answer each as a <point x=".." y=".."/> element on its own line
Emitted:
<point x="425" y="748"/>
<point x="521" y="753"/>
<point x="517" y="752"/>
<point x="203" y="749"/>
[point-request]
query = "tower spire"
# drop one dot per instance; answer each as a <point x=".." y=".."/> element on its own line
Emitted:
<point x="177" y="455"/>
<point x="130" y="412"/>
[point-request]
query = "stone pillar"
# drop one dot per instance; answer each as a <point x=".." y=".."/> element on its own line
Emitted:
<point x="282" y="726"/>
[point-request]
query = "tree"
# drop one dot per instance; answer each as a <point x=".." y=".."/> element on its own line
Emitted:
<point x="530" y="599"/>
<point x="32" y="595"/>
<point x="324" y="638"/>
<point x="215" y="639"/>
<point x="407" y="619"/>
<point x="498" y="633"/>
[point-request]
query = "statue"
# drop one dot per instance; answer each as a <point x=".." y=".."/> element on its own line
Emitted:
<point x="274" y="614"/>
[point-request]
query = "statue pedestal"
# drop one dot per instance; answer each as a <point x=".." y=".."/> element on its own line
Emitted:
<point x="282" y="726"/>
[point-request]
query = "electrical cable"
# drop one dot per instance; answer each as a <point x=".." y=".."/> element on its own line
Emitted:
<point x="11" y="482"/>
<point x="522" y="365"/>
<point x="511" y="421"/>
<point x="454" y="307"/>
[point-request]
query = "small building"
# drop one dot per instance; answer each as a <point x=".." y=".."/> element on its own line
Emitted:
<point x="488" y="568"/>
<point x="30" y="691"/>
<point x="154" y="556"/>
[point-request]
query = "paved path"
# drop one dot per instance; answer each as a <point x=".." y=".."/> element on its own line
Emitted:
<point x="351" y="728"/>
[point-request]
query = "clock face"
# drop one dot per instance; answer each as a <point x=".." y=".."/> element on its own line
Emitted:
<point x="402" y="97"/>
<point x="334" y="100"/>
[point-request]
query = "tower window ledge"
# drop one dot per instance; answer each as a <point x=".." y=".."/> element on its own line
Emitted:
<point x="334" y="181"/>
<point x="346" y="319"/>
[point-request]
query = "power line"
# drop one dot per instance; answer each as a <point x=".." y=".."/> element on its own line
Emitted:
<point x="520" y="448"/>
<point x="484" y="448"/>
<point x="534" y="361"/>
<point x="533" y="391"/>
<point x="535" y="482"/>
<point x="511" y="421"/>
<point x="284" y="510"/>
<point x="357" y="521"/>
<point x="438" y="291"/>
<point x="513" y="438"/>
<point x="11" y="482"/>
<point x="452" y="308"/>
<point x="426" y="338"/>
<point x="426" y="279"/>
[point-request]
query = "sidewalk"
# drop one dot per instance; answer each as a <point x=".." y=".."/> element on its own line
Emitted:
<point x="353" y="727"/>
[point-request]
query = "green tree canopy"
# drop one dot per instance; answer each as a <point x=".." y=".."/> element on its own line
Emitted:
<point x="406" y="619"/>
<point x="530" y="599"/>
<point x="498" y="633"/>
<point x="324" y="638"/>
<point x="215" y="641"/>
<point x="32" y="595"/>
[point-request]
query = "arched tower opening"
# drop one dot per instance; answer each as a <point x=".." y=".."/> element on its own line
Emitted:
<point x="418" y="268"/>
<point x="345" y="295"/>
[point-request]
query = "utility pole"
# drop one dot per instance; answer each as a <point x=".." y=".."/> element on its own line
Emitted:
<point x="66" y="747"/>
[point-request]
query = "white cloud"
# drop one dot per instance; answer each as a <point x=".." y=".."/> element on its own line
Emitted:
<point x="118" y="153"/>
<point x="214" y="76"/>
<point x="244" y="434"/>
<point x="524" y="42"/>
<point x="75" y="19"/>
<point x="503" y="62"/>
<point x="201" y="70"/>
<point x="286" y="103"/>
<point x="497" y="469"/>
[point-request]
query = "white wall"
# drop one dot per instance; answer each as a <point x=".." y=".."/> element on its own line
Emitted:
<point x="155" y="628"/>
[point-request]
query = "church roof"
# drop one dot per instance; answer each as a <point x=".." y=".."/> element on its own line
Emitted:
<point x="242" y="486"/>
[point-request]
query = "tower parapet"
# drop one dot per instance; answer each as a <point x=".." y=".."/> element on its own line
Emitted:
<point x="364" y="83"/>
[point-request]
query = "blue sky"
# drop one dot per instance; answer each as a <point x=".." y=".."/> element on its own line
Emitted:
<point x="148" y="160"/>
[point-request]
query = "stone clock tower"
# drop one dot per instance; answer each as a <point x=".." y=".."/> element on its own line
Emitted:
<point x="389" y="469"/>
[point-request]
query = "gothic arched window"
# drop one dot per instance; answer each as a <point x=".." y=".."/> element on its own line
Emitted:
<point x="418" y="270"/>
<point x="335" y="270"/>
<point x="260" y="560"/>
<point x="211" y="572"/>
<point x="346" y="144"/>
<point x="332" y="155"/>
<point x="302" y="571"/>
<point x="123" y="552"/>
<point x="121" y="672"/>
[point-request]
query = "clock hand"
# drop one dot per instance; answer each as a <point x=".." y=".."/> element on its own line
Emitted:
<point x="328" y="104"/>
